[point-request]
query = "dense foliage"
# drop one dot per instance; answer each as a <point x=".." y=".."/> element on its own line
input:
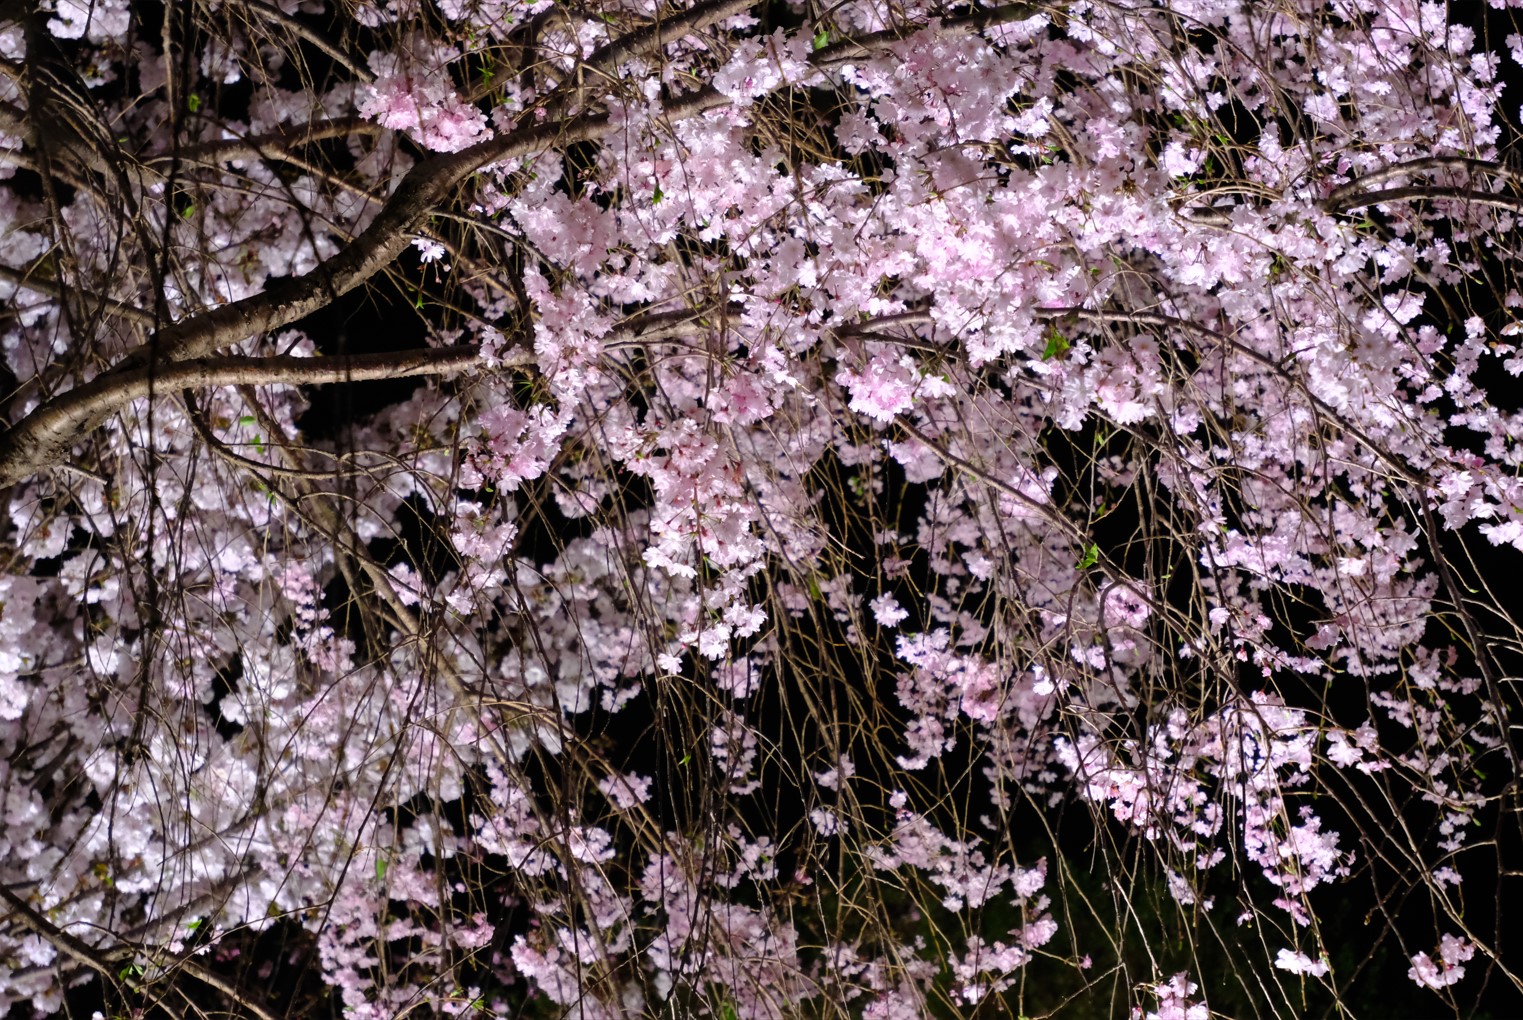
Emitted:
<point x="595" y="508"/>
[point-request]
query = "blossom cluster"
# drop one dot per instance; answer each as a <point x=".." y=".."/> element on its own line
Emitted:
<point x="888" y="428"/>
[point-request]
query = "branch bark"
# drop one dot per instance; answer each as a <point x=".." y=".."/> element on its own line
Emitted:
<point x="103" y="961"/>
<point x="376" y="247"/>
<point x="71" y="946"/>
<point x="271" y="145"/>
<point x="1424" y="192"/>
<point x="52" y="288"/>
<point x="52" y="430"/>
<point x="1356" y="193"/>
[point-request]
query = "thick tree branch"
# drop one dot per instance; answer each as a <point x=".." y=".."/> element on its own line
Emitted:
<point x="1356" y="192"/>
<point x="51" y="431"/>
<point x="1425" y="192"/>
<point x="291" y="371"/>
<point x="425" y="185"/>
<point x="270" y="145"/>
<point x="376" y="247"/>
<point x="71" y="946"/>
<point x="52" y="288"/>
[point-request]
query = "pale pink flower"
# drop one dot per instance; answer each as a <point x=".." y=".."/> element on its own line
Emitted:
<point x="887" y="611"/>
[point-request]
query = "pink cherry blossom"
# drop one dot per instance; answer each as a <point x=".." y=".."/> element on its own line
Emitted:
<point x="618" y="509"/>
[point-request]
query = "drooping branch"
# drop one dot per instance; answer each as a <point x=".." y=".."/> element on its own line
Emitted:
<point x="1399" y="466"/>
<point x="640" y="42"/>
<point x="754" y="480"/>
<point x="234" y="994"/>
<point x="306" y="33"/>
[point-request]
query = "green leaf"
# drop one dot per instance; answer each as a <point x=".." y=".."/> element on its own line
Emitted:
<point x="194" y="924"/>
<point x="380" y="869"/>
<point x="247" y="419"/>
<point x="822" y="38"/>
<point x="1057" y="345"/>
<point x="1090" y="558"/>
<point x="194" y="102"/>
<point x="727" y="1011"/>
<point x="657" y="195"/>
<point x="190" y="210"/>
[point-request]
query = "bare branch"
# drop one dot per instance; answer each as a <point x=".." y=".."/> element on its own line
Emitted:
<point x="227" y="988"/>
<point x="316" y="39"/>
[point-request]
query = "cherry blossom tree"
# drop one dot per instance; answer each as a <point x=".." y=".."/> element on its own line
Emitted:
<point x="600" y="508"/>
